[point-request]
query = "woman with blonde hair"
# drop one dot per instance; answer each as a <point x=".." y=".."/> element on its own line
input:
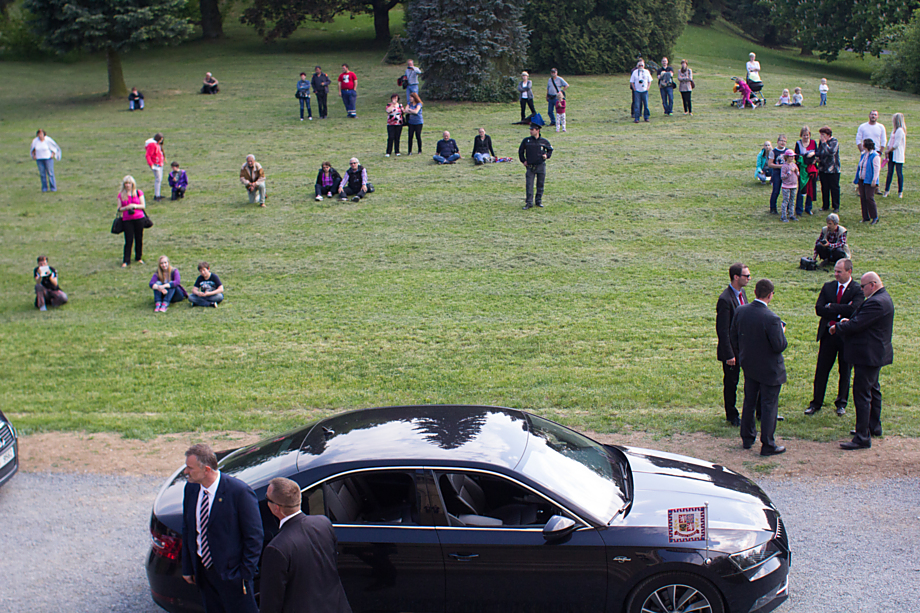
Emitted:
<point x="166" y="285"/>
<point x="897" y="145"/>
<point x="685" y="86"/>
<point x="131" y="205"/>
<point x="525" y="89"/>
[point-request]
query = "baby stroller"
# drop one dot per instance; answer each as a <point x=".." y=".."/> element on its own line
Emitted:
<point x="754" y="96"/>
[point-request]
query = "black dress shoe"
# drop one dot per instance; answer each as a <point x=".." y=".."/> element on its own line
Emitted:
<point x="812" y="409"/>
<point x="772" y="450"/>
<point x="747" y="445"/>
<point x="877" y="433"/>
<point x="841" y="411"/>
<point x="780" y="418"/>
<point x="735" y="422"/>
<point x="850" y="446"/>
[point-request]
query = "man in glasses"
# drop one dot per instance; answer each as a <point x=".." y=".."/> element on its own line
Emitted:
<point x="867" y="346"/>
<point x="299" y="569"/>
<point x="730" y="299"/>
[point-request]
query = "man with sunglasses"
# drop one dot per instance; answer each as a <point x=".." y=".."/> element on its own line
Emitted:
<point x="730" y="299"/>
<point x="867" y="346"/>
<point x="299" y="569"/>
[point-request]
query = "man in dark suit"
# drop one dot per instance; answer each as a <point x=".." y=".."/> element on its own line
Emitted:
<point x="731" y="298"/>
<point x="758" y="338"/>
<point x="867" y="346"/>
<point x="221" y="535"/>
<point x="299" y="569"/>
<point x="836" y="300"/>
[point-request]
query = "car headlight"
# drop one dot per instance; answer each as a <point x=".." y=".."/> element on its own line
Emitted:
<point x="749" y="558"/>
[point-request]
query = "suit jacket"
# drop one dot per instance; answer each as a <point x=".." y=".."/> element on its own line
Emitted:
<point x="758" y="340"/>
<point x="234" y="530"/>
<point x="725" y="312"/>
<point x="829" y="311"/>
<point x="299" y="569"/>
<point x="867" y="335"/>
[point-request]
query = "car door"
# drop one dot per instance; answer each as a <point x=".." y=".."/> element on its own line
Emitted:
<point x="389" y="555"/>
<point x="496" y="558"/>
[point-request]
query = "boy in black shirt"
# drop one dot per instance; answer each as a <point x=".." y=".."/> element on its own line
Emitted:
<point x="533" y="153"/>
<point x="208" y="290"/>
<point x="47" y="290"/>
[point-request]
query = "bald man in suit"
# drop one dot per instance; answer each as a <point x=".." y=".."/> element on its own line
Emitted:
<point x="299" y="568"/>
<point x="867" y="346"/>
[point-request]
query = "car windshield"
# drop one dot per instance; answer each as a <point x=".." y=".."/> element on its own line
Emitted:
<point x="575" y="467"/>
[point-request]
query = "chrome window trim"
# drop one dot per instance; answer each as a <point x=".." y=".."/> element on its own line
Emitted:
<point x="491" y="473"/>
<point x="575" y="516"/>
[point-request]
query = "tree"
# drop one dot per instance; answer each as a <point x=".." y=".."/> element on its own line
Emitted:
<point x="831" y="26"/>
<point x="470" y="50"/>
<point x="898" y="69"/>
<point x="212" y="22"/>
<point x="113" y="26"/>
<point x="281" y="18"/>
<point x="602" y="36"/>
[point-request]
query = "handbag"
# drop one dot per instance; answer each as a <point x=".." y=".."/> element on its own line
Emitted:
<point x="148" y="223"/>
<point x="807" y="263"/>
<point x="118" y="226"/>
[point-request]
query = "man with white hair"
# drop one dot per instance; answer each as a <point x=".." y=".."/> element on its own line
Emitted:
<point x="354" y="183"/>
<point x="252" y="176"/>
<point x="639" y="82"/>
<point x="210" y="85"/>
<point x="867" y="346"/>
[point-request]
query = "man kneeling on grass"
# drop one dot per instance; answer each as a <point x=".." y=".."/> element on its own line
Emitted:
<point x="208" y="290"/>
<point x="252" y="176"/>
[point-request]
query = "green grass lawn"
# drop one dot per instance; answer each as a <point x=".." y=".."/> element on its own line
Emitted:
<point x="597" y="311"/>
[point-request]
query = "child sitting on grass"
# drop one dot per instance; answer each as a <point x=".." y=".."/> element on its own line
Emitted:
<point x="784" y="100"/>
<point x="797" y="98"/>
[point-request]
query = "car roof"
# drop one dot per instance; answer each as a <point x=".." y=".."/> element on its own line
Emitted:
<point x="430" y="434"/>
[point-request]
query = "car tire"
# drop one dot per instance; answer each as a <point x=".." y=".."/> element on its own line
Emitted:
<point x="675" y="593"/>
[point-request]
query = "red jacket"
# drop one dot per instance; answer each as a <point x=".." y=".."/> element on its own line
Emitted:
<point x="155" y="155"/>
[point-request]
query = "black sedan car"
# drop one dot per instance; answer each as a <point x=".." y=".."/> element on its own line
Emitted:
<point x="457" y="509"/>
<point x="9" y="450"/>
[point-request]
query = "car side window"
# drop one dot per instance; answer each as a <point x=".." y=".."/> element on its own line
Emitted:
<point x="372" y="497"/>
<point x="475" y="499"/>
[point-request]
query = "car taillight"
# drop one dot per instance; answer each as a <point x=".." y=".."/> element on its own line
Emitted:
<point x="166" y="546"/>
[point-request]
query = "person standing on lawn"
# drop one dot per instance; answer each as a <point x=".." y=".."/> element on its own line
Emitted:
<point x="533" y="153"/>
<point x="320" y="84"/>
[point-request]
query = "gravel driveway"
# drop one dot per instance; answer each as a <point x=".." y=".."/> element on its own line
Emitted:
<point x="74" y="543"/>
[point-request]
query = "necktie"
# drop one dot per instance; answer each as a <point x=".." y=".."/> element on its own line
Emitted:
<point x="204" y="514"/>
<point x="740" y="299"/>
<point x="839" y="293"/>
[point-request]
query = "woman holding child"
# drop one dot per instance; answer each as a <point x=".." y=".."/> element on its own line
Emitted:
<point x="805" y="149"/>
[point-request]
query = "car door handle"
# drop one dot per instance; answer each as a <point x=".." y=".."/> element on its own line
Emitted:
<point x="464" y="557"/>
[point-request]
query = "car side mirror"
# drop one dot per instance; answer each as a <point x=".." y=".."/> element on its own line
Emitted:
<point x="558" y="527"/>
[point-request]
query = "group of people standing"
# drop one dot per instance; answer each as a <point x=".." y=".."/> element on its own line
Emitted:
<point x="319" y="83"/>
<point x="855" y="330"/>
<point x="640" y="81"/>
<point x="796" y="172"/>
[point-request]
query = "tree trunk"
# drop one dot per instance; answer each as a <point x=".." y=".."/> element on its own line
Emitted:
<point x="117" y="88"/>
<point x="381" y="21"/>
<point x="212" y="25"/>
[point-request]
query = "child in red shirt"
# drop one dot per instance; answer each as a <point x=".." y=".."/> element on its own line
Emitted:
<point x="560" y="112"/>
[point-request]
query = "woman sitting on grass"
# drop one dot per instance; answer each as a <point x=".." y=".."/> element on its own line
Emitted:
<point x="166" y="285"/>
<point x="327" y="181"/>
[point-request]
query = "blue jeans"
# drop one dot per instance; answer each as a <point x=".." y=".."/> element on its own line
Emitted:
<point x="823" y="100"/>
<point x="442" y="160"/>
<point x="777" y="187"/>
<point x="305" y="101"/>
<point x="640" y="102"/>
<point x="667" y="99"/>
<point x="205" y="301"/>
<point x="798" y="203"/>
<point x="410" y="90"/>
<point x="349" y="99"/>
<point x="46" y="172"/>
<point x="551" y="110"/>
<point x="159" y="296"/>
<point x="482" y="158"/>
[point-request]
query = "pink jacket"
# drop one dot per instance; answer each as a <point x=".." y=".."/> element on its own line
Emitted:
<point x="155" y="155"/>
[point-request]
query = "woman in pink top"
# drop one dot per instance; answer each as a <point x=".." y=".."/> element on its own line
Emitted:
<point x="131" y="206"/>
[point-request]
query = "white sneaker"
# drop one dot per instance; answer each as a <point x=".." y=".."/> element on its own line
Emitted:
<point x="319" y="198"/>
<point x="386" y="155"/>
<point x="311" y="119"/>
<point x="397" y="155"/>
<point x="301" y="119"/>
